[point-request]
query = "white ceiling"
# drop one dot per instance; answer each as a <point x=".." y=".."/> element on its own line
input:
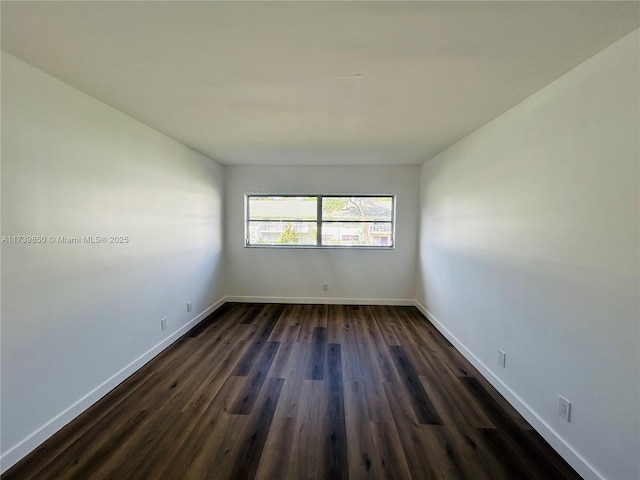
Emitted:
<point x="312" y="82"/>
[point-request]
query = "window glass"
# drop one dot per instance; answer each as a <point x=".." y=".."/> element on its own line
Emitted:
<point x="278" y="208"/>
<point x="358" y="221"/>
<point x="357" y="208"/>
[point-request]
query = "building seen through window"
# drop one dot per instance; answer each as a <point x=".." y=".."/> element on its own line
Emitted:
<point x="320" y="220"/>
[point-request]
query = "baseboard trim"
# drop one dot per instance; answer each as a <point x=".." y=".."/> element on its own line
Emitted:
<point x="14" y="454"/>
<point x="32" y="441"/>
<point x="577" y="461"/>
<point x="322" y="300"/>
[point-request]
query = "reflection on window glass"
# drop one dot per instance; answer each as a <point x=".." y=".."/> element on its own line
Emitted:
<point x="291" y="208"/>
<point x="282" y="233"/>
<point x="357" y="208"/>
<point x="360" y="234"/>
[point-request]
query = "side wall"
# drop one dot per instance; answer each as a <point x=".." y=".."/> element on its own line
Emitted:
<point x="78" y="318"/>
<point x="353" y="276"/>
<point x="529" y="243"/>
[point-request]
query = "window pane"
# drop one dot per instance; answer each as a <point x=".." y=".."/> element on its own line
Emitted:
<point x="283" y="208"/>
<point x="357" y="234"/>
<point x="357" y="208"/>
<point x="282" y="233"/>
<point x="294" y="220"/>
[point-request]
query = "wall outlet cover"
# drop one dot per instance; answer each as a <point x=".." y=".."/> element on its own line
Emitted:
<point x="502" y="358"/>
<point x="564" y="408"/>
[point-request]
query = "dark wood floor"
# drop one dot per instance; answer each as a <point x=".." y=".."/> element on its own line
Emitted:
<point x="301" y="392"/>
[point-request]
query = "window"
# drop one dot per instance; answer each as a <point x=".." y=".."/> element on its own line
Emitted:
<point x="334" y="221"/>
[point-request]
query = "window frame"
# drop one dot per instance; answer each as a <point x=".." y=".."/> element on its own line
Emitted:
<point x="319" y="221"/>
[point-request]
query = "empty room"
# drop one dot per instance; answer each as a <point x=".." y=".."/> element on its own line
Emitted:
<point x="320" y="240"/>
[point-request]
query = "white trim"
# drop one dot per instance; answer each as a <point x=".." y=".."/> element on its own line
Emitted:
<point x="32" y="441"/>
<point x="566" y="451"/>
<point x="323" y="300"/>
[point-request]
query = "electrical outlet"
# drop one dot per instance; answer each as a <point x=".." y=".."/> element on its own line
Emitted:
<point x="564" y="408"/>
<point x="188" y="306"/>
<point x="325" y="287"/>
<point x="163" y="324"/>
<point x="502" y="359"/>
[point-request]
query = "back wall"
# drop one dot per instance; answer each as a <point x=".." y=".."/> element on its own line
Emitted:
<point x="353" y="276"/>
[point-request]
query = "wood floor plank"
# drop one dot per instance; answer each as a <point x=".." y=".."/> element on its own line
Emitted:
<point x="496" y="397"/>
<point x="266" y="319"/>
<point x="294" y="373"/>
<point x="353" y="367"/>
<point x="191" y="452"/>
<point x="374" y="335"/>
<point x="315" y="371"/>
<point x="285" y="356"/>
<point x="246" y="463"/>
<point x="360" y="448"/>
<point x="217" y="452"/>
<point x="294" y="392"/>
<point x="496" y="413"/>
<point x="390" y="462"/>
<point x="336" y="441"/>
<point x="422" y="404"/>
<point x="277" y="450"/>
<point x="454" y="403"/>
<point x="198" y="414"/>
<point x="308" y="459"/>
<point x="249" y="313"/>
<point x="344" y="322"/>
<point x="287" y="327"/>
<point x="374" y="448"/>
<point x="246" y="399"/>
<point x="386" y="321"/>
<point x="335" y="324"/>
<point x="407" y="426"/>
<point x="307" y="324"/>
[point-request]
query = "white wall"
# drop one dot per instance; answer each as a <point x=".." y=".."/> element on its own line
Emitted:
<point x="79" y="318"/>
<point x="529" y="242"/>
<point x="354" y="276"/>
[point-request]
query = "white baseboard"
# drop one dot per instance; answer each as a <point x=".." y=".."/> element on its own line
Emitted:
<point x="31" y="442"/>
<point x="584" y="468"/>
<point x="322" y="300"/>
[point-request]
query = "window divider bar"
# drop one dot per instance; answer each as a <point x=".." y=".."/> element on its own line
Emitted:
<point x="319" y="220"/>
